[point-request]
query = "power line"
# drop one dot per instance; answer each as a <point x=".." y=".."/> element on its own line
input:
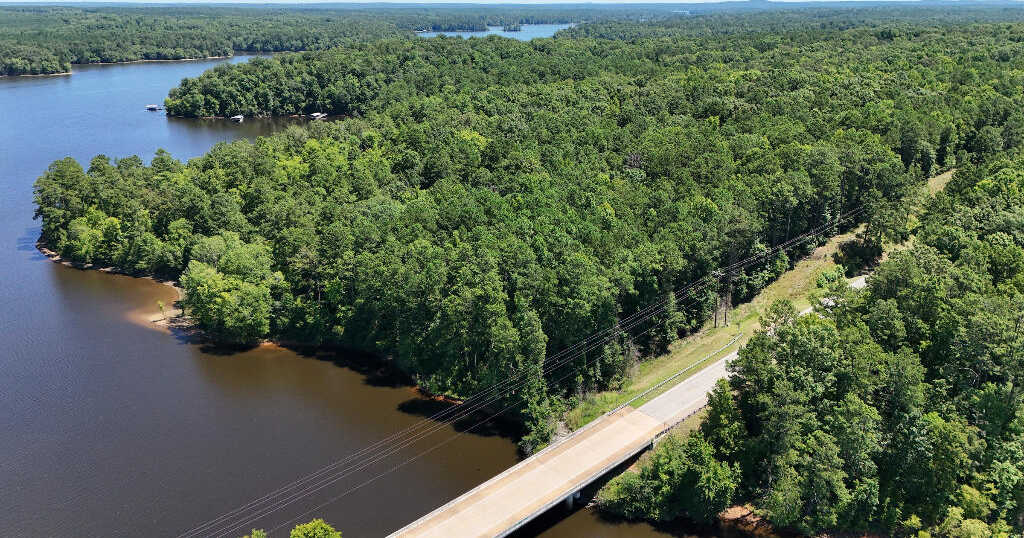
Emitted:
<point x="303" y="486"/>
<point x="403" y="463"/>
<point x="326" y="481"/>
<point x="466" y="412"/>
<point x="486" y="402"/>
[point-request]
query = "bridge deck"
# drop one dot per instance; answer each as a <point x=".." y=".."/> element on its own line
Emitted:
<point x="508" y="500"/>
<point x="688" y="397"/>
<point x="503" y="503"/>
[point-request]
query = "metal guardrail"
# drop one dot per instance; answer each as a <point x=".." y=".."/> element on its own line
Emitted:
<point x="680" y="372"/>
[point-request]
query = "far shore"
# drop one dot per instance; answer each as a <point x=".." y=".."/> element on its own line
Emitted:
<point x="65" y="73"/>
<point x="62" y="74"/>
<point x="167" y="60"/>
<point x="237" y="53"/>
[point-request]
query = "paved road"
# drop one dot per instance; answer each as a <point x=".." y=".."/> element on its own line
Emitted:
<point x="687" y="397"/>
<point x="524" y="491"/>
<point x="691" y="395"/>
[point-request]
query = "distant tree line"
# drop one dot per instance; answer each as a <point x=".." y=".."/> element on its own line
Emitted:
<point x="766" y="25"/>
<point x="49" y="39"/>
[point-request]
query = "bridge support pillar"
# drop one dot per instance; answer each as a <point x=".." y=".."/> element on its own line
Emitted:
<point x="571" y="499"/>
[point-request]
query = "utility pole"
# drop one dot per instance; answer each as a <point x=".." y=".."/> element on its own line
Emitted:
<point x="718" y="303"/>
<point x="723" y="303"/>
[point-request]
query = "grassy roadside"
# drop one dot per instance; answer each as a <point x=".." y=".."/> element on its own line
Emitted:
<point x="707" y="344"/>
<point x="797" y="285"/>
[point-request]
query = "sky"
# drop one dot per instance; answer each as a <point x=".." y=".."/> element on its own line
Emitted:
<point x="230" y="2"/>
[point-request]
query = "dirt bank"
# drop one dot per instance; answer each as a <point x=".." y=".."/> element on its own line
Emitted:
<point x="169" y="317"/>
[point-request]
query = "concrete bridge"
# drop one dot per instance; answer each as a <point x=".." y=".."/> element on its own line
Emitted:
<point x="558" y="473"/>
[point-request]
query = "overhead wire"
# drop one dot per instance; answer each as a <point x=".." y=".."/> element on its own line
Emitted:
<point x="345" y="472"/>
<point x="304" y="486"/>
<point x="403" y="463"/>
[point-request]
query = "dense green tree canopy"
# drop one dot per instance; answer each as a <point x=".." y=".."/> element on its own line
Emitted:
<point x="489" y="202"/>
<point x="898" y="407"/>
<point x="681" y="479"/>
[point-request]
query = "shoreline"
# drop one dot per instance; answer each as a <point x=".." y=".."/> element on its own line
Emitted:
<point x="174" y="320"/>
<point x="173" y="317"/>
<point x="161" y="60"/>
<point x="743" y="519"/>
<point x="250" y="118"/>
<point x="199" y="59"/>
<point x="68" y="73"/>
<point x="57" y="258"/>
<point x="62" y="74"/>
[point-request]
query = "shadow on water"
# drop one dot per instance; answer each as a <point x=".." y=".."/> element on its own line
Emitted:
<point x="26" y="242"/>
<point x="122" y="425"/>
<point x="480" y="422"/>
<point x="584" y="518"/>
<point x="375" y="371"/>
<point x="559" y="514"/>
<point x="222" y="129"/>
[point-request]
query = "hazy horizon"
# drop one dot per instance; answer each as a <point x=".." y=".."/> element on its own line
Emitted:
<point x="476" y="2"/>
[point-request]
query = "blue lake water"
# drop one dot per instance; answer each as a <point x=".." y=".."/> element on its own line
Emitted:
<point x="529" y="31"/>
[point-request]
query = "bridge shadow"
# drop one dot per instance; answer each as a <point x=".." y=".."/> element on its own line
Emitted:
<point x="575" y="525"/>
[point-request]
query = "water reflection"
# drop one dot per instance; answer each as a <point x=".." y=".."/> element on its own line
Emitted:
<point x="225" y="129"/>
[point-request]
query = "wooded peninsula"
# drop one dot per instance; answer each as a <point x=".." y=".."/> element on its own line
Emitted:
<point x="486" y="203"/>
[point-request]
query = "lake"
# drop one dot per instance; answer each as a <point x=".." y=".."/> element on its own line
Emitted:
<point x="529" y="31"/>
<point x="113" y="426"/>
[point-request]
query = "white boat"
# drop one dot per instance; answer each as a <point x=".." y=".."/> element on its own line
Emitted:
<point x="318" y="115"/>
<point x="239" y="118"/>
<point x="152" y="107"/>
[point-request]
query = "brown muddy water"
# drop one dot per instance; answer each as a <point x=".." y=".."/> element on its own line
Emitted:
<point x="113" y="426"/>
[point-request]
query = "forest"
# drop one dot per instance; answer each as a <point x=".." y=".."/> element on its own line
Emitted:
<point x="48" y="39"/>
<point x="365" y="77"/>
<point x="896" y="409"/>
<point x="486" y="203"/>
